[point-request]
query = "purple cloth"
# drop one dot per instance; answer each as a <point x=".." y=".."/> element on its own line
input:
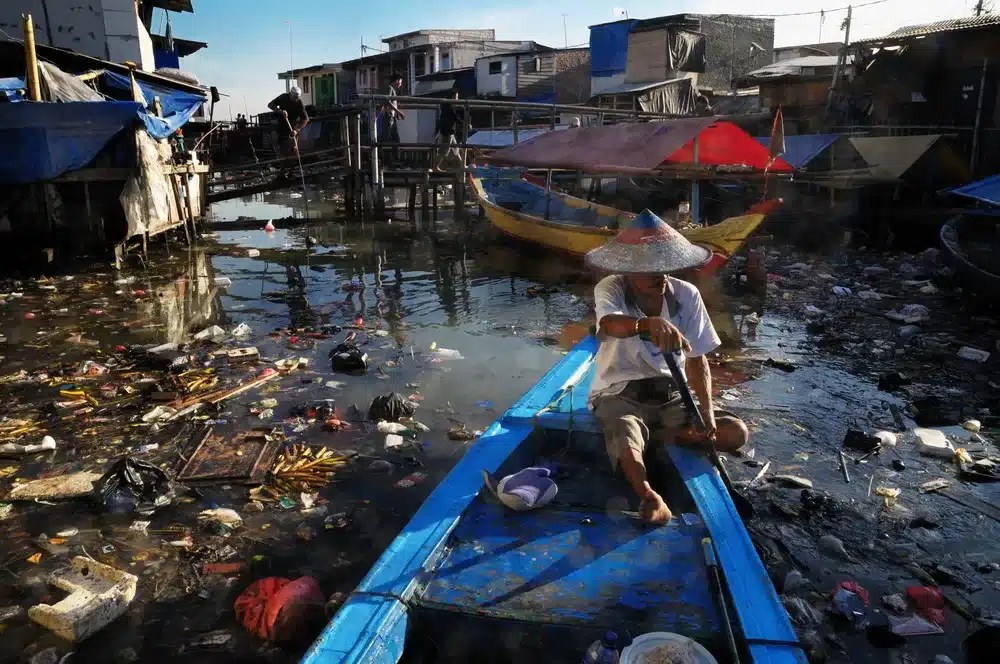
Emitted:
<point x="527" y="489"/>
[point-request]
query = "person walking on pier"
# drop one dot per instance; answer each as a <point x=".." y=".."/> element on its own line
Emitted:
<point x="448" y="124"/>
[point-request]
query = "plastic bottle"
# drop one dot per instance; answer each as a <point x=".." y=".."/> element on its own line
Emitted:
<point x="604" y="651"/>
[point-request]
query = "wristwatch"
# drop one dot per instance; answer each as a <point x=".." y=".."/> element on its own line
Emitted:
<point x="637" y="320"/>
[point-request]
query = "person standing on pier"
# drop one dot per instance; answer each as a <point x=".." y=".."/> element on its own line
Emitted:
<point x="292" y="119"/>
<point x="451" y="119"/>
<point x="391" y="114"/>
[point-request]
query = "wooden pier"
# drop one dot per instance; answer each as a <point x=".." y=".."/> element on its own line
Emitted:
<point x="367" y="175"/>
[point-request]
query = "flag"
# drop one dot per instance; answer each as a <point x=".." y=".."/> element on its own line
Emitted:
<point x="777" y="146"/>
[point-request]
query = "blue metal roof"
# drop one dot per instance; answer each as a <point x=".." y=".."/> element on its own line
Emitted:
<point x="987" y="191"/>
<point x="800" y="150"/>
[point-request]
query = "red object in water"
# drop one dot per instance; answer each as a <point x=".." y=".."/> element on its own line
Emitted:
<point x="120" y="348"/>
<point x="292" y="340"/>
<point x="269" y="226"/>
<point x="936" y="616"/>
<point x="96" y="312"/>
<point x="140" y="292"/>
<point x="853" y="587"/>
<point x="273" y="608"/>
<point x="930" y="601"/>
<point x="29" y="315"/>
<point x="926" y="597"/>
<point x="359" y="321"/>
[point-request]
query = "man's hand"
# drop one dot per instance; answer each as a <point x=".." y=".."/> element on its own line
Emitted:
<point x="664" y="334"/>
<point x="402" y="115"/>
<point x="284" y="113"/>
<point x="691" y="433"/>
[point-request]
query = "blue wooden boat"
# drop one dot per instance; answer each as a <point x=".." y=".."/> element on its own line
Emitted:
<point x="468" y="580"/>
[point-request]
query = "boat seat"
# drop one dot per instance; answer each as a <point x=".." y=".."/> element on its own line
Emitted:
<point x="567" y="566"/>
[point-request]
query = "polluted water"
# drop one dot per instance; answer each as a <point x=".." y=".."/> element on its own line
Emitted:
<point x="218" y="438"/>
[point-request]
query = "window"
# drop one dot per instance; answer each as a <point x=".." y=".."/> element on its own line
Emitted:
<point x="445" y="62"/>
<point x="496" y="67"/>
<point x="419" y="62"/>
<point x="305" y="85"/>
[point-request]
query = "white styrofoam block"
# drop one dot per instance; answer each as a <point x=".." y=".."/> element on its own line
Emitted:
<point x="934" y="443"/>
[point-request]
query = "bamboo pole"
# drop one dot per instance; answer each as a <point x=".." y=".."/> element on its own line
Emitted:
<point x="31" y="57"/>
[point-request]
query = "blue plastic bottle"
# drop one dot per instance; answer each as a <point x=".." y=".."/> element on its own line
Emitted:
<point x="604" y="651"/>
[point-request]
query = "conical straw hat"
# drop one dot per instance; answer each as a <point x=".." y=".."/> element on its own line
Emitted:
<point x="648" y="246"/>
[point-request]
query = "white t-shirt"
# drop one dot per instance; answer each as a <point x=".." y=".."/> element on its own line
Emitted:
<point x="620" y="360"/>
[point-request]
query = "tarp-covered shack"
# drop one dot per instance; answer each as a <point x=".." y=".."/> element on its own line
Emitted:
<point x="93" y="162"/>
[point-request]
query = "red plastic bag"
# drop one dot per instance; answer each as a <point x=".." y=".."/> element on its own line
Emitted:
<point x="280" y="609"/>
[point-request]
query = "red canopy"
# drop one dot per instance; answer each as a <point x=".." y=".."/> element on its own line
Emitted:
<point x="725" y="144"/>
<point x="641" y="147"/>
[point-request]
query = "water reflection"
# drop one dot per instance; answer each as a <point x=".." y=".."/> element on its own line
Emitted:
<point x="184" y="301"/>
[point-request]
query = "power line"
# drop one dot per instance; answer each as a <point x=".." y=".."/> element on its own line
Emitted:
<point x="818" y="11"/>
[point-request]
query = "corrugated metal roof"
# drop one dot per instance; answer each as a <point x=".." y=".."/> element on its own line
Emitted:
<point x="951" y="25"/>
<point x="794" y="66"/>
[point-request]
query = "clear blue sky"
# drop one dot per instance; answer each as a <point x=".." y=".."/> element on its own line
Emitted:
<point x="248" y="39"/>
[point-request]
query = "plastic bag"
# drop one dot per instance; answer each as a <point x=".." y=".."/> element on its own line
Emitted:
<point x="135" y="484"/>
<point x="281" y="609"/>
<point x="347" y="358"/>
<point x="390" y="407"/>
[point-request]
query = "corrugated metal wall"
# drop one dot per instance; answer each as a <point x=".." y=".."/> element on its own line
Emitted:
<point x="647" y="57"/>
<point x="532" y="83"/>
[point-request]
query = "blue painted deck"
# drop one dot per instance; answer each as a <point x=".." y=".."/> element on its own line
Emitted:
<point x="549" y="566"/>
<point x="462" y="558"/>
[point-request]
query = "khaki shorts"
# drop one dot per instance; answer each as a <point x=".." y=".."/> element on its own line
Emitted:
<point x="627" y="423"/>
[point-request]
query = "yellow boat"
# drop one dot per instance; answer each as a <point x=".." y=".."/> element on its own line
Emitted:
<point x="579" y="225"/>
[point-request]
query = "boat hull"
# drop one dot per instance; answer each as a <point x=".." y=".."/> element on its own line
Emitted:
<point x="955" y="234"/>
<point x="469" y="580"/>
<point x="724" y="238"/>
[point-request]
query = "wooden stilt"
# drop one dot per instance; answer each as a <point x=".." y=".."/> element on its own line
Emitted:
<point x="411" y="204"/>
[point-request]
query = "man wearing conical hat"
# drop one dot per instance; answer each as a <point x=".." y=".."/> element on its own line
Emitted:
<point x="643" y="312"/>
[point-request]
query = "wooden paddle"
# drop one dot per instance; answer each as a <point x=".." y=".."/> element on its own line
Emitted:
<point x="743" y="505"/>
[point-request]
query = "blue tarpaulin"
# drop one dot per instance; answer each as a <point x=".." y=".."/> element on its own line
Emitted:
<point x="609" y="48"/>
<point x="987" y="191"/>
<point x="162" y="58"/>
<point x="44" y="140"/>
<point x="177" y="106"/>
<point x="800" y="150"/>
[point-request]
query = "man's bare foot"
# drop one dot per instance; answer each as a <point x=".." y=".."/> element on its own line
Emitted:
<point x="653" y="509"/>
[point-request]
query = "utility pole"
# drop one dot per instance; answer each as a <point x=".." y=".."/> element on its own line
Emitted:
<point x="566" y="37"/>
<point x="291" y="67"/>
<point x="841" y="59"/>
<point x="979" y="8"/>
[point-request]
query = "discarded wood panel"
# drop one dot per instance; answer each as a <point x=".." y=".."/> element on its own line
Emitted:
<point x="59" y="487"/>
<point x="244" y="458"/>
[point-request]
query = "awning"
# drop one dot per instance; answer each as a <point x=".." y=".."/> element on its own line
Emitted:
<point x="924" y="159"/>
<point x="641" y="147"/>
<point x="801" y="149"/>
<point x="987" y="191"/>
